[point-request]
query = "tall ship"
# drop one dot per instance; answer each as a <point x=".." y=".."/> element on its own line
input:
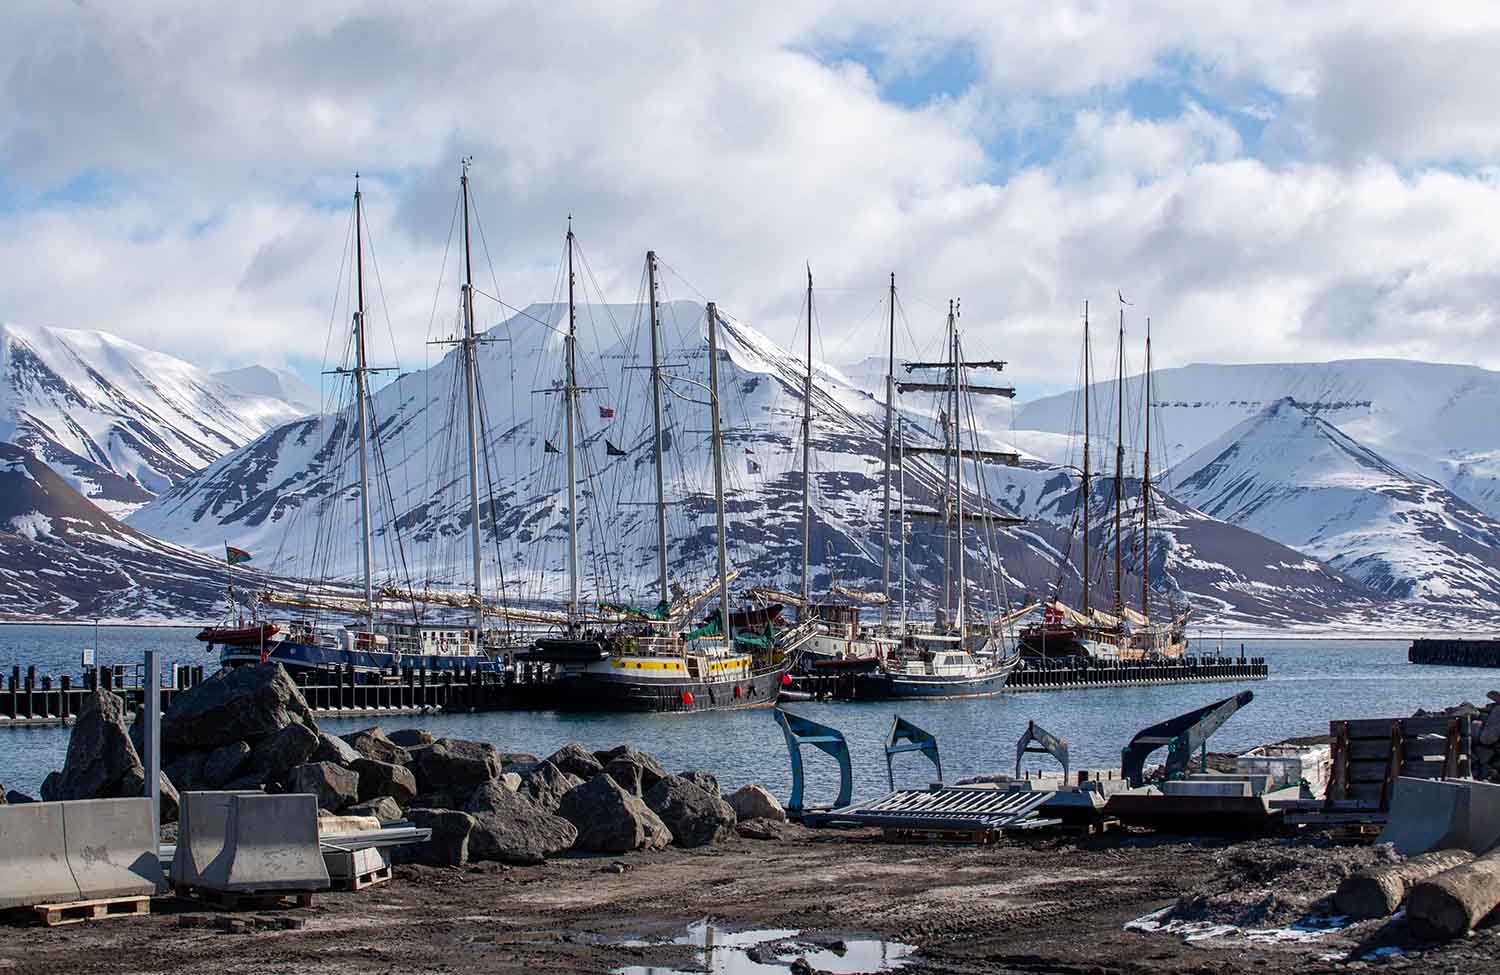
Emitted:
<point x="667" y="656"/>
<point x="1121" y="632"/>
<point x="968" y="650"/>
<point x="378" y="628"/>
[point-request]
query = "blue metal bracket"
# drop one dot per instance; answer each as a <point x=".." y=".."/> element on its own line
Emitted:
<point x="1046" y="744"/>
<point x="800" y="731"/>
<point x="907" y="737"/>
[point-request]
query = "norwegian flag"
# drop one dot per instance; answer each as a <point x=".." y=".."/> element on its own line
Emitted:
<point x="606" y="412"/>
<point x="1052" y="615"/>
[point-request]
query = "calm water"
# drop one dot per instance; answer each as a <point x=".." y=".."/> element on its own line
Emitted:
<point x="1311" y="682"/>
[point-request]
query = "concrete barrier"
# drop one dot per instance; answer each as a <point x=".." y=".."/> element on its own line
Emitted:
<point x="1230" y="788"/>
<point x="33" y="858"/>
<point x="1427" y="814"/>
<point x="111" y="847"/>
<point x="1443" y="814"/>
<point x="90" y="849"/>
<point x="241" y="841"/>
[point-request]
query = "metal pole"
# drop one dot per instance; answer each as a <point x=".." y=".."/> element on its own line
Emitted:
<point x="569" y="395"/>
<point x="471" y="402"/>
<point x="1119" y="465"/>
<point x="718" y="451"/>
<point x="1087" y="480"/>
<point x="901" y="501"/>
<point x="152" y="728"/>
<point x="1146" y="491"/>
<point x="661" y="485"/>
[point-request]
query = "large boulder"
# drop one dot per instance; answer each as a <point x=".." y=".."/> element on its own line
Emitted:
<point x="14" y="798"/>
<point x="273" y="758"/>
<point x="546" y="784"/>
<point x="635" y="771"/>
<point x="100" y="753"/>
<point x="334" y="785"/>
<point x="695" y="817"/>
<point x="383" y="809"/>
<point x="510" y="828"/>
<point x="223" y="764"/>
<point x="449" y="846"/>
<point x="410" y="737"/>
<point x="706" y="781"/>
<point x="611" y="820"/>
<point x="378" y="779"/>
<point x="456" y="767"/>
<point x="516" y="761"/>
<point x="373" y="744"/>
<point x="50" y="786"/>
<point x="332" y="748"/>
<point x="187" y="770"/>
<point x="242" y="703"/>
<point x="574" y="759"/>
<point x="754" y="802"/>
<point x="134" y="784"/>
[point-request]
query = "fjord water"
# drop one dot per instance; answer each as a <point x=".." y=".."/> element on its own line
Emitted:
<point x="1311" y="682"/>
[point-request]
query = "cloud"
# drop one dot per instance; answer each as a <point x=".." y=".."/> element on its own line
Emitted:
<point x="739" y="142"/>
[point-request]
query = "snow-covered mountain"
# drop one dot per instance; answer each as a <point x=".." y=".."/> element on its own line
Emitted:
<point x="62" y="557"/>
<point x="282" y="384"/>
<point x="1289" y="474"/>
<point x="119" y="422"/>
<point x="291" y="494"/>
<point x="1432" y="419"/>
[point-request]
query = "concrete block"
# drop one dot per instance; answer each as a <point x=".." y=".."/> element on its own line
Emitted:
<point x="33" y="856"/>
<point x="111" y="847"/>
<point x="1427" y="814"/>
<point x="241" y="841"/>
<point x="1260" y="782"/>
<point x="347" y="864"/>
<point x="1233" y="789"/>
<point x="1484" y="817"/>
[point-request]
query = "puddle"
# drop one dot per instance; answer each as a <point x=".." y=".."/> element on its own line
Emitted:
<point x="771" y="952"/>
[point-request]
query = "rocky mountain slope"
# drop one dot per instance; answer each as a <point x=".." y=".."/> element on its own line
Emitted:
<point x="1288" y="474"/>
<point x="119" y="422"/>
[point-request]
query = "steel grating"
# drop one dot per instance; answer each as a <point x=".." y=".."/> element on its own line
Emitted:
<point x="950" y="809"/>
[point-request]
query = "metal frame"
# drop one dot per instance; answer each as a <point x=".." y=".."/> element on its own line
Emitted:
<point x="1046" y="744"/>
<point x="800" y="731"/>
<point x="1182" y="735"/>
<point x="907" y="737"/>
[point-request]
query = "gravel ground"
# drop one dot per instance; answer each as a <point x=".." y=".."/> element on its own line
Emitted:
<point x="1038" y="905"/>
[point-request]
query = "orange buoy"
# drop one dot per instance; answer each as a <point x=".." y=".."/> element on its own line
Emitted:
<point x="786" y="680"/>
<point x="687" y="698"/>
<point x="738" y="691"/>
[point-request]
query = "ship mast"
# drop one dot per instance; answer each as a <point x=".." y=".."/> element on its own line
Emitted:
<point x="958" y="472"/>
<point x="901" y="518"/>
<point x="807" y="448"/>
<point x="571" y="407"/>
<point x="1119" y="460"/>
<point x="718" y="450"/>
<point x="661" y="490"/>
<point x="949" y="443"/>
<point x="361" y="395"/>
<point x="1087" y="482"/>
<point x="471" y="403"/>
<point x="1146" y="491"/>
<point x="890" y="407"/>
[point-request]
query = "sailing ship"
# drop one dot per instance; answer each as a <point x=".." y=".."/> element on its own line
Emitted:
<point x="626" y="658"/>
<point x="957" y="656"/>
<point x="381" y="640"/>
<point x="1122" y="633"/>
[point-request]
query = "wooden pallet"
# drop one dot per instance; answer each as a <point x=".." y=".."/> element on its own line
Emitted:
<point x="1369" y="755"/>
<point x="363" y="880"/>
<point x="968" y="837"/>
<point x="237" y="900"/>
<point x="75" y="912"/>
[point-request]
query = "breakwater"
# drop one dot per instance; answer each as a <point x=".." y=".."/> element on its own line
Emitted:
<point x="1455" y="652"/>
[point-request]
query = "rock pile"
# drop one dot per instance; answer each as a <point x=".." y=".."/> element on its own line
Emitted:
<point x="249" y="728"/>
<point x="1484" y="723"/>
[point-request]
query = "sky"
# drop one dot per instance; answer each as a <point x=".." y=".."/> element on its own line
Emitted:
<point x="1269" y="182"/>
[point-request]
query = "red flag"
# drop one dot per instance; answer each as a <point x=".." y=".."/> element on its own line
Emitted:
<point x="606" y="412"/>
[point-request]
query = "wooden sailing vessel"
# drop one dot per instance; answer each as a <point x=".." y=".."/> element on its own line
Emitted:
<point x="1121" y="633"/>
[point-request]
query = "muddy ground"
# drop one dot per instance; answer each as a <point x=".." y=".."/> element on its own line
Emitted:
<point x="1033" y="905"/>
